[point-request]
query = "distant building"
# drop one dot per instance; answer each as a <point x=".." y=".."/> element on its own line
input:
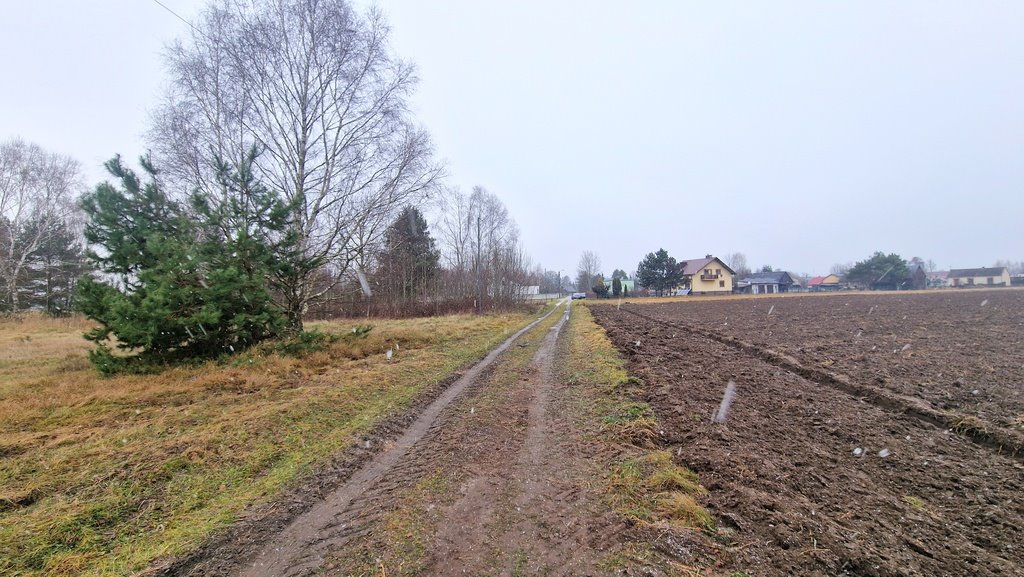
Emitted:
<point x="766" y="283"/>
<point x="829" y="282"/>
<point x="799" y="283"/>
<point x="937" y="279"/>
<point x="969" y="277"/>
<point x="708" y="275"/>
<point x="917" y="279"/>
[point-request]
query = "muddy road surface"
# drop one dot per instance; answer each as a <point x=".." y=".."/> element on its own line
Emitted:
<point x="488" y="480"/>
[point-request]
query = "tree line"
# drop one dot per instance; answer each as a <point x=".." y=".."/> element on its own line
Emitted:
<point x="41" y="256"/>
<point x="659" y="273"/>
<point x="286" y="177"/>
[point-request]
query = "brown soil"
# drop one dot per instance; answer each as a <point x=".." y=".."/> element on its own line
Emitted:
<point x="958" y="350"/>
<point x="790" y="494"/>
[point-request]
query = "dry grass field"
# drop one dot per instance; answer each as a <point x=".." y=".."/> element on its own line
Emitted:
<point x="100" y="476"/>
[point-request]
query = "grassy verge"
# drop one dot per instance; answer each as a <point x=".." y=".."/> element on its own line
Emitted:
<point x="102" y="476"/>
<point x="643" y="483"/>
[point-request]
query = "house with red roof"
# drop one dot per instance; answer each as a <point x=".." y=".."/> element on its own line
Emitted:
<point x="829" y="282"/>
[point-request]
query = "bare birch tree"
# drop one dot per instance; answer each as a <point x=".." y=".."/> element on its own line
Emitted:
<point x="480" y="245"/>
<point x="453" y="231"/>
<point x="313" y="85"/>
<point x="737" y="261"/>
<point x="587" y="270"/>
<point x="37" y="194"/>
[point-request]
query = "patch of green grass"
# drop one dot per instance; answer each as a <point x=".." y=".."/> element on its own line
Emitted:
<point x="519" y="563"/>
<point x="914" y="502"/>
<point x="628" y="412"/>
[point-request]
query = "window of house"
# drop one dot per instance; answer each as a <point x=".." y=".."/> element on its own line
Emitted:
<point x="970" y="281"/>
<point x="721" y="283"/>
<point x="989" y="280"/>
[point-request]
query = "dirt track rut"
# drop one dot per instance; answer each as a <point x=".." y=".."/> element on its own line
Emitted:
<point x="537" y="518"/>
<point x="302" y="547"/>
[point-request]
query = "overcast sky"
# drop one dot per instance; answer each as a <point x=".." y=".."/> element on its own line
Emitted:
<point x="799" y="133"/>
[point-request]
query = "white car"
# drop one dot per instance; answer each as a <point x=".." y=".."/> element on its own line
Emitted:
<point x="579" y="296"/>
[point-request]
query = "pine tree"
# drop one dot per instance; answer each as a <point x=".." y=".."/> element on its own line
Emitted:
<point x="52" y="271"/>
<point x="245" y="240"/>
<point x="600" y="289"/>
<point x="616" y="287"/>
<point x="409" y="262"/>
<point x="184" y="285"/>
<point x="659" y="271"/>
<point x="879" y="271"/>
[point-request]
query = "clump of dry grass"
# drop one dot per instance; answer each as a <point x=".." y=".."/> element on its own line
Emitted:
<point x="103" y="475"/>
<point x="651" y="488"/>
<point x="641" y="432"/>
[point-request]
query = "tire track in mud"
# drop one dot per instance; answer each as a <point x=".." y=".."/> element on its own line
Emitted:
<point x="547" y="519"/>
<point x="514" y="493"/>
<point x="990" y="436"/>
<point x="301" y="547"/>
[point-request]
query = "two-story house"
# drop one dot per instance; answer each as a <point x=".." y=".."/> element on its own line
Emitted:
<point x="708" y="275"/>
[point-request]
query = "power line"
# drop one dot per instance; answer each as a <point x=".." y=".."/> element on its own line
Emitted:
<point x="178" y="16"/>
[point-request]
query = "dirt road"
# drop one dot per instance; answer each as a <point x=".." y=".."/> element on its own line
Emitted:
<point x="488" y="480"/>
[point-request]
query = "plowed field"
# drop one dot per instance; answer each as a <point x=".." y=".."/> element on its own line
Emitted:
<point x="846" y="451"/>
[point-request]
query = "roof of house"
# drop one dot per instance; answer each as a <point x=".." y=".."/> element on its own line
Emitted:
<point x="972" y="272"/>
<point x="695" y="265"/>
<point x="777" y="277"/>
<point x="817" y="280"/>
<point x="940" y="274"/>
